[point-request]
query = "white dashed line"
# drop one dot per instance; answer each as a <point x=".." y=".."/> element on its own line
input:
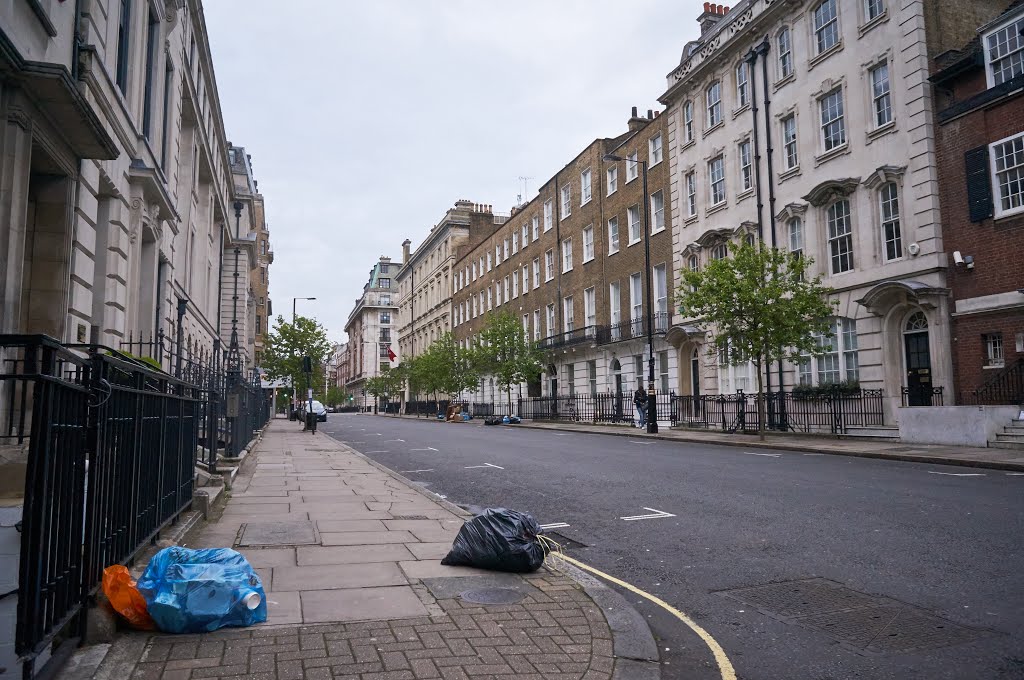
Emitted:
<point x="770" y="455"/>
<point x="429" y="448"/>
<point x="957" y="474"/>
<point x="555" y="525"/>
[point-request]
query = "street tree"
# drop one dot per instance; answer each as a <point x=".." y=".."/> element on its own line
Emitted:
<point x="287" y="343"/>
<point x="507" y="353"/>
<point x="758" y="305"/>
<point x="443" y="369"/>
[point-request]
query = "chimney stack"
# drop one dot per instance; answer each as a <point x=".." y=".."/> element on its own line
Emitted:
<point x="405" y="250"/>
<point x="712" y="15"/>
<point x="636" y="122"/>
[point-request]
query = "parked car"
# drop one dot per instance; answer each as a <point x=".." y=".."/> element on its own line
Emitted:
<point x="319" y="409"/>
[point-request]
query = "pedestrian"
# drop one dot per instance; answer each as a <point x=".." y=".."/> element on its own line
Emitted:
<point x="640" y="404"/>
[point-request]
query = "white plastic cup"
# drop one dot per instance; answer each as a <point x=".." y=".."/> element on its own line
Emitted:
<point x="252" y="600"/>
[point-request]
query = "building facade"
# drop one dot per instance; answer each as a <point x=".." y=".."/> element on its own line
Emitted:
<point x="570" y="264"/>
<point x="246" y="190"/>
<point x="828" y="124"/>
<point x="370" y="328"/>
<point x="980" y="140"/>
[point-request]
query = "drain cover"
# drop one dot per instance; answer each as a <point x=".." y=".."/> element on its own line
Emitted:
<point x="278" y="533"/>
<point x="865" y="623"/>
<point x="492" y="596"/>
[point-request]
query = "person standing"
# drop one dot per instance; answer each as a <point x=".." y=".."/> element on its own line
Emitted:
<point x="640" y="404"/>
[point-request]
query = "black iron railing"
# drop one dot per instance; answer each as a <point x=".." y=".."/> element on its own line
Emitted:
<point x="923" y="395"/>
<point x="1007" y="388"/>
<point x="796" y="411"/>
<point x="591" y="408"/>
<point x="577" y="336"/>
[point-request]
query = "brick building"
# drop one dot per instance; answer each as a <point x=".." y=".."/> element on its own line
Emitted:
<point x="980" y="147"/>
<point x="821" y="111"/>
<point x="570" y="265"/>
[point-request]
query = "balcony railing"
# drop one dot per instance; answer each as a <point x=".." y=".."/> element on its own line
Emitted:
<point x="577" y="336"/>
<point x="603" y="335"/>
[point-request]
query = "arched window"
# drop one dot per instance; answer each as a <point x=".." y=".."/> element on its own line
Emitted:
<point x="694" y="263"/>
<point x="719" y="251"/>
<point x="916" y="323"/>
<point x="749" y="239"/>
<point x="796" y="237"/>
<point x="892" y="236"/>
<point x="785" y="51"/>
<point x="714" y="104"/>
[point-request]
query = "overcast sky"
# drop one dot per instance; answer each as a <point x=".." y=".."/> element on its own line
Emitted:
<point x="367" y="120"/>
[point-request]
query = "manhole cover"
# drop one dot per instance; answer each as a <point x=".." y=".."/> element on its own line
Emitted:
<point x="278" y="533"/>
<point x="492" y="596"/>
<point x="865" y="623"/>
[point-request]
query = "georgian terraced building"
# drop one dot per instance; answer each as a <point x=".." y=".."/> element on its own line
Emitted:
<point x="809" y="124"/>
<point x="570" y="265"/>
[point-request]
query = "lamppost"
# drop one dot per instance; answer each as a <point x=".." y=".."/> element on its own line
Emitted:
<point x="652" y="400"/>
<point x="293" y="306"/>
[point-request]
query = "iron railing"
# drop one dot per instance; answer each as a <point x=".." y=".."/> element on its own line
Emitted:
<point x="591" y="408"/>
<point x="1007" y="388"/>
<point x="796" y="411"/>
<point x="923" y="395"/>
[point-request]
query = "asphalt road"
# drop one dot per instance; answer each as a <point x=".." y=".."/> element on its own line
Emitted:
<point x="921" y="534"/>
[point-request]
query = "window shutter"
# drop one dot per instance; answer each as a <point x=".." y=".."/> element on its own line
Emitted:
<point x="979" y="189"/>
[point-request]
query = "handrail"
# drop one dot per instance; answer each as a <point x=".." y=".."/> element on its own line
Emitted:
<point x="1005" y="388"/>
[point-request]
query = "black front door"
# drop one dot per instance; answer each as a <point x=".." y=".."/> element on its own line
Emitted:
<point x="919" y="369"/>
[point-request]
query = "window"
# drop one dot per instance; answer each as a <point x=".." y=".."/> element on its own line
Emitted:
<point x="840" y="237"/>
<point x="567" y="255"/>
<point x="839" y="362"/>
<point x="590" y="307"/>
<point x="663" y="371"/>
<point x="660" y="298"/>
<point x="746" y="166"/>
<point x="548" y="219"/>
<point x="795" y="227"/>
<point x="1004" y="53"/>
<point x="785" y="54"/>
<point x="833" y="123"/>
<point x="152" y="52"/>
<point x="474" y="271"/>
<point x="592" y="376"/>
<point x="526" y="234"/>
<point x="658" y="211"/>
<point x="535" y="225"/>
<point x="1008" y="171"/>
<point x="993" y="350"/>
<point x="385" y="334"/>
<point x="551" y="319"/>
<point x="123" y="43"/>
<point x="526" y="325"/>
<point x="259" y="323"/>
<point x="536" y="324"/>
<point x="631" y="167"/>
<point x="566" y="201"/>
<point x="614" y="313"/>
<point x="383" y="283"/>
<point x="714" y="102"/>
<point x="742" y="84"/>
<point x="654" y="151"/>
<point x="585" y="189"/>
<point x="874" y="9"/>
<point x="633" y="216"/>
<point x="473" y="300"/>
<point x="636" y="305"/>
<point x="719" y="251"/>
<point x="888" y="197"/>
<point x="549" y="265"/>
<point x="880" y="94"/>
<point x="508" y="288"/>
<point x="490" y="299"/>
<point x="691" y="194"/>
<point x="515" y="243"/>
<point x="588" y="244"/>
<point x="613" y="235"/>
<point x="613" y="179"/>
<point x="536" y="272"/>
<point x="385" y="300"/>
<point x="826" y="25"/>
<point x="688" y="122"/>
<point x="490" y="262"/>
<point x="638" y="370"/>
<point x="716" y="172"/>
<point x="789" y="141"/>
<point x="570" y="378"/>
<point x="384" y="268"/>
<point x="567" y="315"/>
<point x="385" y="317"/>
<point x="526" y="278"/>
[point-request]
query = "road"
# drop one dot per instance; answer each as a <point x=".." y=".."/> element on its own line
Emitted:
<point x="949" y="545"/>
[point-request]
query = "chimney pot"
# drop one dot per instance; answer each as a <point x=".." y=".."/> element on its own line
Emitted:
<point x="633" y="115"/>
<point x="726" y="9"/>
<point x="707" y="6"/>
<point x="650" y="114"/>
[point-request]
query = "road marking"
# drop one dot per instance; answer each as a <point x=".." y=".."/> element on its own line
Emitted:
<point x="724" y="665"/>
<point x="656" y="514"/>
<point x="439" y="495"/>
<point x="470" y="467"/>
<point x="957" y="474"/>
<point x="385" y="441"/>
<point x="555" y="525"/>
<point x="429" y="448"/>
<point x="633" y="441"/>
<point x="405" y="471"/>
<point x="814" y="454"/>
<point x="1015" y="474"/>
<point x="561" y="434"/>
<point x="380" y="451"/>
<point x="770" y="455"/>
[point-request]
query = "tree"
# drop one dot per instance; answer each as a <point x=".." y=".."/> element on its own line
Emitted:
<point x="444" y="368"/>
<point x="760" y="306"/>
<point x="288" y="343"/>
<point x="336" y="396"/>
<point x="507" y="353"/>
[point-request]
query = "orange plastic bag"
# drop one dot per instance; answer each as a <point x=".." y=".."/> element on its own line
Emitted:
<point x="125" y="598"/>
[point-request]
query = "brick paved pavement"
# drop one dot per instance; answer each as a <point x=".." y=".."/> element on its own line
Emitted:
<point x="361" y="593"/>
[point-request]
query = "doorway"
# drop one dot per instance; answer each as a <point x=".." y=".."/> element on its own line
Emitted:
<point x="617" y="373"/>
<point x="918" y="360"/>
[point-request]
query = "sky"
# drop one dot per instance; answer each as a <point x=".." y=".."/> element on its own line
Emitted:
<point x="366" y="120"/>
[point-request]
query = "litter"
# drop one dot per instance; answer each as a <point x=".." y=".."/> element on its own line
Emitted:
<point x="197" y="591"/>
<point x="500" y="540"/>
<point x="125" y="598"/>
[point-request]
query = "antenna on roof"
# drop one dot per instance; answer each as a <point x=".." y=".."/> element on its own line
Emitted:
<point x="526" y="189"/>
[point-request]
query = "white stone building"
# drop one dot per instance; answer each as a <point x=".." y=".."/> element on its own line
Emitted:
<point x="370" y="327"/>
<point x="840" y="94"/>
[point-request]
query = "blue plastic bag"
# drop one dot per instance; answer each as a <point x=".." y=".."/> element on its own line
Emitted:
<point x="196" y="591"/>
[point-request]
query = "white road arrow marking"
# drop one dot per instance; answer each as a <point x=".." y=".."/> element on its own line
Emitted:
<point x="470" y="467"/>
<point x="957" y="474"/>
<point x="770" y="455"/>
<point x="655" y="514"/>
<point x="406" y="471"/>
<point x="385" y="441"/>
<point x="429" y="448"/>
<point x="555" y="525"/>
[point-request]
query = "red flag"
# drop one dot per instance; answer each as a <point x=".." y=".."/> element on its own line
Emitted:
<point x="391" y="355"/>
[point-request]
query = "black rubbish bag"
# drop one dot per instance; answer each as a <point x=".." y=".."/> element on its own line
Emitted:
<point x="500" y="540"/>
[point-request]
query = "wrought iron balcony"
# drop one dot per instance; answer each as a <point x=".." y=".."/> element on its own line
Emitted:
<point x="577" y="336"/>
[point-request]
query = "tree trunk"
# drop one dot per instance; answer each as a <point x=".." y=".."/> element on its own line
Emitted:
<point x="510" y="399"/>
<point x="760" y="400"/>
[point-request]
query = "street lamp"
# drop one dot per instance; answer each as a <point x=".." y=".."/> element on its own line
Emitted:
<point x="652" y="400"/>
<point x="293" y="306"/>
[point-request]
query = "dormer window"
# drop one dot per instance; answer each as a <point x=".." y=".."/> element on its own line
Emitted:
<point x="1004" y="52"/>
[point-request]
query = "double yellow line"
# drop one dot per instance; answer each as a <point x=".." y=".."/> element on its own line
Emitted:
<point x="724" y="665"/>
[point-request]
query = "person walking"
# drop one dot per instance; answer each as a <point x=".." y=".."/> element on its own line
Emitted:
<point x="640" y="404"/>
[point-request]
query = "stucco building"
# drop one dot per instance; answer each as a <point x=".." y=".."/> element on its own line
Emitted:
<point x="370" y="328"/>
<point x="821" y="112"/>
<point x="246" y="190"/>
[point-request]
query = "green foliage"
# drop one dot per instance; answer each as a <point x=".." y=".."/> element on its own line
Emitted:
<point x="844" y="387"/>
<point x="146" y="360"/>
<point x="288" y="343"/>
<point x="389" y="383"/>
<point x="445" y="368"/>
<point x="336" y="396"/>
<point x="758" y="305"/>
<point x="507" y="353"/>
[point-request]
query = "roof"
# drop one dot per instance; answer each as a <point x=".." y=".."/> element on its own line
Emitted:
<point x="952" y="63"/>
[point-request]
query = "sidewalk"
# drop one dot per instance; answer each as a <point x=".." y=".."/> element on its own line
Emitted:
<point x="349" y="554"/>
<point x="967" y="456"/>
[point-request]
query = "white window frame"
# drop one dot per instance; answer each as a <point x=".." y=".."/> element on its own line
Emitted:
<point x="742" y="75"/>
<point x="790" y="143"/>
<point x="588" y="244"/>
<point x="716" y="181"/>
<point x="1016" y="56"/>
<point x="636" y="301"/>
<point x="505" y="247"/>
<point x="590" y="307"/>
<point x="839" y="118"/>
<point x="515" y="243"/>
<point x="549" y="264"/>
<point x="891" y="221"/>
<point x="691" y="194"/>
<point x="688" y="122"/>
<point x="508" y="288"/>
<point x="549" y="219"/>
<point x="795" y="236"/>
<point x="713" y="101"/>
<point x="536" y="324"/>
<point x="840" y="244"/>
<point x="868" y="5"/>
<point x="655" y="152"/>
<point x="526" y="278"/>
<point x="515" y="286"/>
<point x="840" y="359"/>
<point x="566" y="201"/>
<point x="613" y="235"/>
<point x="659" y="277"/>
<point x="635" y="228"/>
<point x="657" y="213"/>
<point x="632" y="167"/>
<point x="615" y="310"/>
<point x="526" y="234"/>
<point x="536" y="273"/>
<point x="746" y="165"/>
<point x="550" y="320"/>
<point x="535" y="225"/>
<point x="828" y="27"/>
<point x="784" y="46"/>
<point x="567" y="254"/>
<point x="568" y="315"/>
<point x="1015" y="172"/>
<point x="881" y="99"/>
<point x="612" y="179"/>
<point x="586" y="190"/>
<point x="995" y="350"/>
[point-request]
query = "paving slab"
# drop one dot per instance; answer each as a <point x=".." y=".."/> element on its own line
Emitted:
<point x="278" y="533"/>
<point x="269" y="557"/>
<point x="429" y="551"/>
<point x="423" y="569"/>
<point x="392" y="552"/>
<point x="336" y="576"/>
<point x="366" y="538"/>
<point x="363" y="604"/>
<point x="283" y="608"/>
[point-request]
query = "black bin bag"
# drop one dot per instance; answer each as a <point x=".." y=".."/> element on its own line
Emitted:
<point x="499" y="540"/>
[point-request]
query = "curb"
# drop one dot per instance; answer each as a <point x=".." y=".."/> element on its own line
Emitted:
<point x="636" y="653"/>
<point x="804" y="448"/>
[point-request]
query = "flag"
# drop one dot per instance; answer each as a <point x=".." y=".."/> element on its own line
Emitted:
<point x="391" y="355"/>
